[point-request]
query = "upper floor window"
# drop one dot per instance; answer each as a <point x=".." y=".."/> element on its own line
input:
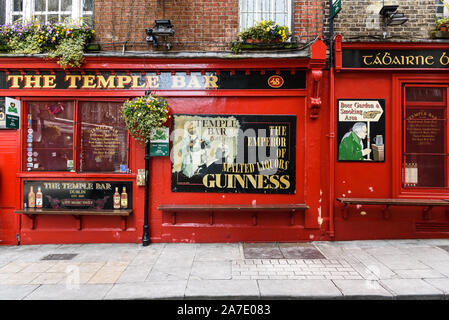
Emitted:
<point x="441" y="9"/>
<point x="254" y="11"/>
<point x="46" y="10"/>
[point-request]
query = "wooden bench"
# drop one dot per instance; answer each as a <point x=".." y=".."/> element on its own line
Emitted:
<point x="428" y="204"/>
<point x="76" y="213"/>
<point x="211" y="208"/>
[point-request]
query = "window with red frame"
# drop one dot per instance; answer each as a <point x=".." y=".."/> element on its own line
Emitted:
<point x="76" y="136"/>
<point x="425" y="137"/>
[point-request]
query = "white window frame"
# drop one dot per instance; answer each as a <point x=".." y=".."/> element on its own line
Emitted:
<point x="445" y="9"/>
<point x="253" y="11"/>
<point x="28" y="10"/>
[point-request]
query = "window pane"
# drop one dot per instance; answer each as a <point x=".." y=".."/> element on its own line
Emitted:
<point x="88" y="5"/>
<point x="39" y="5"/>
<point x="424" y="94"/>
<point x="425" y="151"/>
<point x="425" y="128"/>
<point x="49" y="138"/>
<point x="103" y="137"/>
<point x="17" y="5"/>
<point x="52" y="18"/>
<point x="2" y="12"/>
<point x="53" y="5"/>
<point x="424" y="171"/>
<point x="66" y="5"/>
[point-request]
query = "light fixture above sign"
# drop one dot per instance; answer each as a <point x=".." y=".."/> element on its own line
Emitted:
<point x="162" y="28"/>
<point x="391" y="16"/>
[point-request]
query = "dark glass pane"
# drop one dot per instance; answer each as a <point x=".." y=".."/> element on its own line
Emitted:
<point x="66" y="5"/>
<point x="17" y="5"/>
<point x="88" y="5"/>
<point x="103" y="137"/>
<point x="424" y="171"/>
<point x="65" y="17"/>
<point x="16" y="17"/>
<point x="430" y="94"/>
<point x="39" y="5"/>
<point x="40" y="17"/>
<point x="425" y="130"/>
<point x="49" y="136"/>
<point x="52" y="18"/>
<point x="53" y="5"/>
<point x="2" y="11"/>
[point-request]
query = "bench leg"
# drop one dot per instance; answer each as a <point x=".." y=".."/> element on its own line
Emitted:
<point x="78" y="222"/>
<point x="173" y="218"/>
<point x="254" y="219"/>
<point x="426" y="213"/>
<point x="344" y="211"/>
<point x="211" y="218"/>
<point x="31" y="216"/>
<point x="386" y="212"/>
<point x="123" y="223"/>
<point x="292" y="218"/>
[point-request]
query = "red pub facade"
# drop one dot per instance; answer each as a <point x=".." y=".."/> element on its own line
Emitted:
<point x="263" y="146"/>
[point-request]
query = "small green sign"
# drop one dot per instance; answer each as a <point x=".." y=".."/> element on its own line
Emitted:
<point x="336" y="7"/>
<point x="9" y="113"/>
<point x="159" y="142"/>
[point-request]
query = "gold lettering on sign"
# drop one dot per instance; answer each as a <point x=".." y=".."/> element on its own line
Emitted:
<point x="104" y="142"/>
<point x="423" y="128"/>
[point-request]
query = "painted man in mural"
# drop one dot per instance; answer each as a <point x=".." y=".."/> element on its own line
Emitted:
<point x="351" y="146"/>
<point x="194" y="151"/>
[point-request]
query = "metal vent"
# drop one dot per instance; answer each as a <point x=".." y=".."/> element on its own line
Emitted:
<point x="60" y="256"/>
<point x="281" y="251"/>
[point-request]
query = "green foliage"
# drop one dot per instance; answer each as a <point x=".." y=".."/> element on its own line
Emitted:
<point x="266" y="30"/>
<point x="143" y="114"/>
<point x="64" y="41"/>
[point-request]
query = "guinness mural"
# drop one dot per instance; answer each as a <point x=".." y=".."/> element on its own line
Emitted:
<point x="234" y="153"/>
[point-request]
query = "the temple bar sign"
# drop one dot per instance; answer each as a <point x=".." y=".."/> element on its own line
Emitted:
<point x="153" y="80"/>
<point x="391" y="59"/>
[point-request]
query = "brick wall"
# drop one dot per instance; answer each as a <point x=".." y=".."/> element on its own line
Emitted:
<point x="200" y="25"/>
<point x="359" y="20"/>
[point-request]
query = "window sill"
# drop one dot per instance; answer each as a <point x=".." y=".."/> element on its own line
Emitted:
<point x="63" y="174"/>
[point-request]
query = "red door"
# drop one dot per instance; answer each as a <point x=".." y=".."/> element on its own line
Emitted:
<point x="8" y="186"/>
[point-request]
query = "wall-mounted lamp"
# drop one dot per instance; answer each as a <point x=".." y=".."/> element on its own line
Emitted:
<point x="162" y="28"/>
<point x="391" y="16"/>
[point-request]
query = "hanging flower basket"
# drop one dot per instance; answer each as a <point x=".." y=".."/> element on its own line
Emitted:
<point x="143" y="114"/>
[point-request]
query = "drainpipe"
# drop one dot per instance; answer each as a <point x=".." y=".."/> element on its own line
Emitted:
<point x="146" y="229"/>
<point x="332" y="125"/>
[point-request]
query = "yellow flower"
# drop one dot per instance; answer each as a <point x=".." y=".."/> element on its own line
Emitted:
<point x="53" y="39"/>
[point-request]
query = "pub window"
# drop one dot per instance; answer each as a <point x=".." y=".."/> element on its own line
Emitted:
<point x="425" y="137"/>
<point x="254" y="11"/>
<point x="47" y="10"/>
<point x="441" y="10"/>
<point x="54" y="141"/>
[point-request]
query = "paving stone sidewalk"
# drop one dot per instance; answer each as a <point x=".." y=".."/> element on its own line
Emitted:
<point x="383" y="269"/>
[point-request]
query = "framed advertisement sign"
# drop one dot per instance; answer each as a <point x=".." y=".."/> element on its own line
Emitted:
<point x="361" y="130"/>
<point x="77" y="194"/>
<point x="234" y="153"/>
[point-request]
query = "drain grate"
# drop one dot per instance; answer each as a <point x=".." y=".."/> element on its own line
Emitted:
<point x="60" y="256"/>
<point x="281" y="251"/>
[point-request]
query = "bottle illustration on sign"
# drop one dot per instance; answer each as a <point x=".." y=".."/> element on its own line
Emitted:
<point x="31" y="198"/>
<point x="116" y="199"/>
<point x="124" y="199"/>
<point x="39" y="198"/>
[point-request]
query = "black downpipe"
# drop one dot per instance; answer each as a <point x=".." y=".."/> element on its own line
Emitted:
<point x="331" y="35"/>
<point x="146" y="228"/>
